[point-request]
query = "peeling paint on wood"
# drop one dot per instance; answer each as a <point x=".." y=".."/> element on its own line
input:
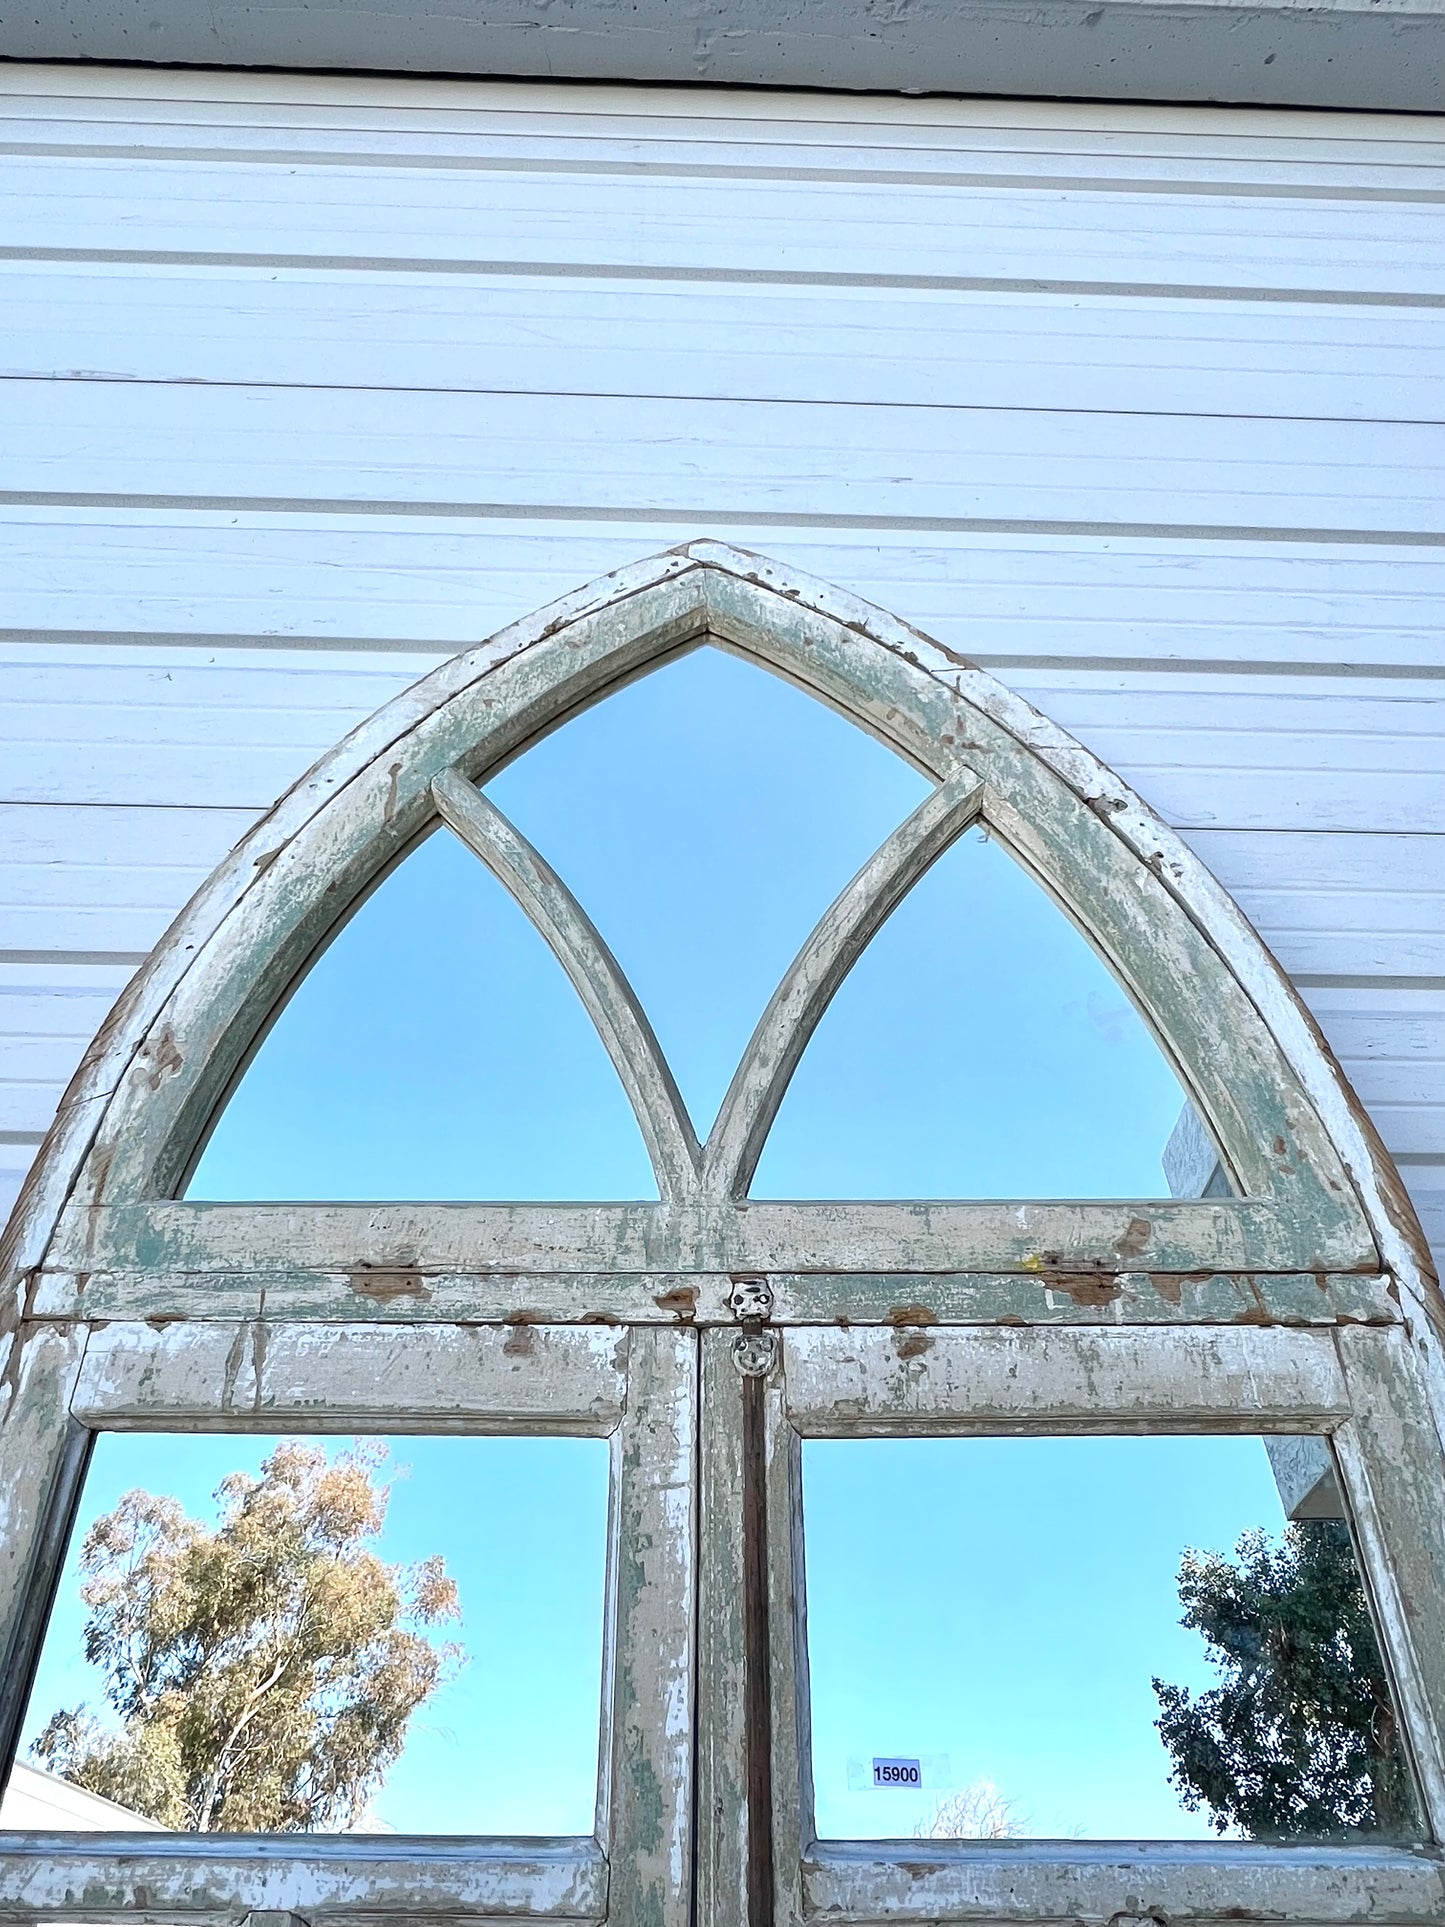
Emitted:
<point x="1304" y="1302"/>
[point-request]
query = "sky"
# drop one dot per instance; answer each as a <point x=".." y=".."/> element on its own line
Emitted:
<point x="510" y="1745"/>
<point x="704" y="816"/>
<point x="1002" y="1603"/>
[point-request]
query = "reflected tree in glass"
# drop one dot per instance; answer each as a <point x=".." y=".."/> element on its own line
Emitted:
<point x="1300" y="1739"/>
<point x="264" y="1674"/>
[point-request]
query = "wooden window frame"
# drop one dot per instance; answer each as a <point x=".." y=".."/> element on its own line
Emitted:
<point x="1003" y="1382"/>
<point x="636" y="1389"/>
<point x="105" y="1260"/>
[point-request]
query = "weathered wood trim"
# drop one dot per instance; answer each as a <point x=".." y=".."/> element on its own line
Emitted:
<point x="812" y="979"/>
<point x="792" y="1733"/>
<point x="1037" y="1238"/>
<point x="331" y="1378"/>
<point x="436" y="1297"/>
<point x="389" y="1296"/>
<point x="41" y="1469"/>
<point x="177" y="1037"/>
<point x="344" y="1881"/>
<point x="1070" y="1880"/>
<point x="1210" y="1031"/>
<point x="1226" y="1378"/>
<point x="1189" y="886"/>
<point x="138" y="1011"/>
<point x="1319" y="1196"/>
<point x="594" y="972"/>
<point x="1083" y="1298"/>
<point x="1392" y="1470"/>
<point x="722" y="1802"/>
<point x="653" y="1716"/>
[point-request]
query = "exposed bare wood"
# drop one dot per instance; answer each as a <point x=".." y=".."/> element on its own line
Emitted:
<point x="812" y="979"/>
<point x="595" y="973"/>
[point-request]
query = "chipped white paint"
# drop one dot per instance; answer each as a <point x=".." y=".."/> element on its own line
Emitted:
<point x="1356" y="1385"/>
<point x="1223" y="1312"/>
<point x="517" y="1378"/>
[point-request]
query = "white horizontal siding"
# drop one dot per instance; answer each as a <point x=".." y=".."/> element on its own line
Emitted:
<point x="305" y="383"/>
<point x="369" y="328"/>
<point x="1006" y="598"/>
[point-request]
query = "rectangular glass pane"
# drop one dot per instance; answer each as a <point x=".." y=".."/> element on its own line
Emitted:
<point x="1092" y="1638"/>
<point x="399" y="1635"/>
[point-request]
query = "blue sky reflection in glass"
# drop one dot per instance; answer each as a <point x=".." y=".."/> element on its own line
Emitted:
<point x="1004" y="1603"/>
<point x="509" y="1744"/>
<point x="704" y="816"/>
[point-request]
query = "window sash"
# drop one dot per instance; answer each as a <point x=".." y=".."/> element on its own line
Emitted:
<point x="1239" y="1379"/>
<point x="636" y="1388"/>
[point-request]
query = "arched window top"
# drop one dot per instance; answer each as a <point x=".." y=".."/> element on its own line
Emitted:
<point x="1312" y="1193"/>
<point x="723" y="1339"/>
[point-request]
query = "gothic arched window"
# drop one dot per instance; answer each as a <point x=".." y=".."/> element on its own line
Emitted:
<point x="727" y="1333"/>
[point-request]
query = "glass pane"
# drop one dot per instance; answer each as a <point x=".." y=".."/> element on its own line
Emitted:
<point x="705" y="817"/>
<point x="396" y="1635"/>
<point x="434" y="1050"/>
<point x="1092" y="1638"/>
<point x="977" y="1049"/>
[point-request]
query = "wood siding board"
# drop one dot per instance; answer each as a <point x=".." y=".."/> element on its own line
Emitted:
<point x="302" y="576"/>
<point x="142" y="321"/>
<point x="275" y="445"/>
<point x="279" y="212"/>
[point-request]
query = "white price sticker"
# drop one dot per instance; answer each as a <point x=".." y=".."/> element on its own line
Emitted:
<point x="923" y="1773"/>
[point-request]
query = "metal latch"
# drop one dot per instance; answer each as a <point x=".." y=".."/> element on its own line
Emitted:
<point x="755" y="1350"/>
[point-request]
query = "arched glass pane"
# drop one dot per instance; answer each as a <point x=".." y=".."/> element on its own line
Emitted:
<point x="978" y="1049"/>
<point x="705" y="817"/>
<point x="435" y="1050"/>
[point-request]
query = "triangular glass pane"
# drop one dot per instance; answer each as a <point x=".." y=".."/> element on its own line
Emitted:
<point x="435" y="1050"/>
<point x="978" y="1049"/>
<point x="705" y="817"/>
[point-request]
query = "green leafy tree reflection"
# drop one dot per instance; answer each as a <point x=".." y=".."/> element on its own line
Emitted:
<point x="1300" y="1738"/>
<point x="265" y="1673"/>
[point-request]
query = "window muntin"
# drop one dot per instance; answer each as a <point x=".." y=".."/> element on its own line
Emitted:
<point x="705" y="815"/>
